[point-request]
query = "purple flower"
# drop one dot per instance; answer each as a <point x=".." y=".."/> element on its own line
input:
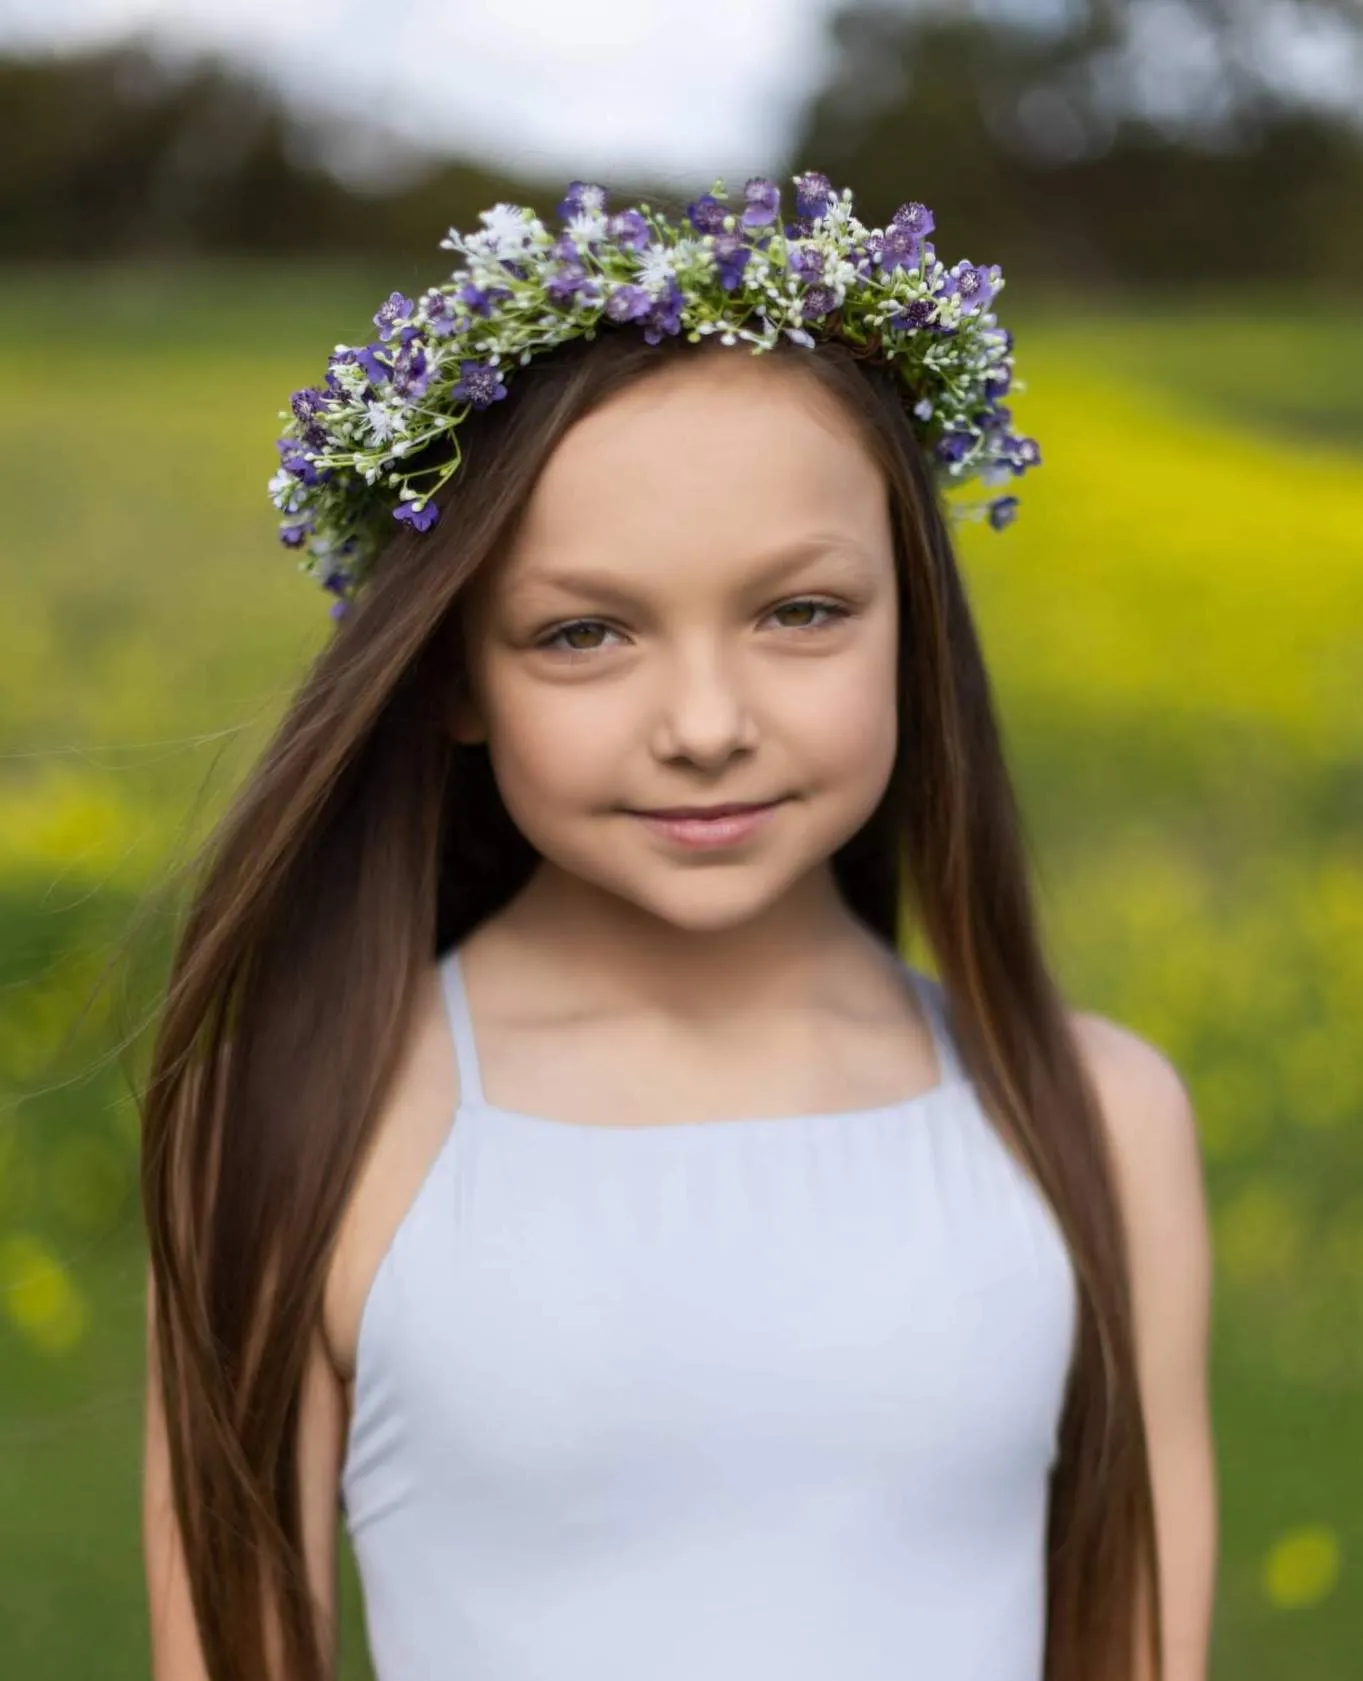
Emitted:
<point x="914" y="219"/>
<point x="388" y="314"/>
<point x="952" y="445"/>
<point x="293" y="460"/>
<point x="866" y="255"/>
<point x="371" y="359"/>
<point x="307" y="403"/>
<point x="569" y="282"/>
<point x="582" y="198"/>
<point x="731" y="258"/>
<point x="900" y="248"/>
<point x="707" y="214"/>
<point x="995" y="418"/>
<point x="817" y="301"/>
<point x="628" y="303"/>
<point x="1025" y="452"/>
<point x="813" y="194"/>
<point x="480" y="383"/>
<point x="292" y="535"/>
<point x="440" y="314"/>
<point x="336" y="582"/>
<point x="411" y="370"/>
<point x="629" y="229"/>
<point x="665" y="316"/>
<point x="479" y="299"/>
<point x="764" y="203"/>
<point x="806" y="261"/>
<point x="974" y="286"/>
<point x="998" y="384"/>
<point x="914" y="315"/>
<point x="420" y="516"/>
<point x="1002" y="511"/>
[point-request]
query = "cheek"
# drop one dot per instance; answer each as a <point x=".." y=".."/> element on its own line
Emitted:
<point x="562" y="744"/>
<point x="840" y="716"/>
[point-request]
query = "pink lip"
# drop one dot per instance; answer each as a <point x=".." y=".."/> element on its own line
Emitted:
<point x="706" y="833"/>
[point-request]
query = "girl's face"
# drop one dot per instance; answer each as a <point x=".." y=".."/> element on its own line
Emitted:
<point x="699" y="607"/>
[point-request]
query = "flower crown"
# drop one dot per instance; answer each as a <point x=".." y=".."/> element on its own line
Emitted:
<point x="736" y="272"/>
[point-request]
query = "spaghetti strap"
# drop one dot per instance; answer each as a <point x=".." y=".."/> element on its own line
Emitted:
<point x="933" y="999"/>
<point x="461" y="1030"/>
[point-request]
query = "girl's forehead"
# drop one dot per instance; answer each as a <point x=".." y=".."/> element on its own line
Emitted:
<point x="683" y="461"/>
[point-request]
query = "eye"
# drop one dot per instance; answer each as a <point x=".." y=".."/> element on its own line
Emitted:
<point x="831" y="607"/>
<point x="552" y="640"/>
<point x="553" y="643"/>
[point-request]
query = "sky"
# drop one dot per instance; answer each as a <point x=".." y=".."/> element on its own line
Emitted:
<point x="667" y="86"/>
<point x="669" y="89"/>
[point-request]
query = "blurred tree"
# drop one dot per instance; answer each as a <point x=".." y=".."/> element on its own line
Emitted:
<point x="1107" y="140"/>
<point x="1082" y="141"/>
<point x="118" y="153"/>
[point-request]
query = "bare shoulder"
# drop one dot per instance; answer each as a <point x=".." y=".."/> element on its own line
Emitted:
<point x="1152" y="1133"/>
<point x="1147" y="1111"/>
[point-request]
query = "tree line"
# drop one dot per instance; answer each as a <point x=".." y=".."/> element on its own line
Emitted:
<point x="1012" y="135"/>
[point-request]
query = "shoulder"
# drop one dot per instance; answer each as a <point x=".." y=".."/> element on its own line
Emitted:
<point x="1147" y="1110"/>
<point x="1139" y="1088"/>
<point x="1152" y="1136"/>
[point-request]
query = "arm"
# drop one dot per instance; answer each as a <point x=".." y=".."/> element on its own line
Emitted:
<point x="176" y="1654"/>
<point x="1153" y="1133"/>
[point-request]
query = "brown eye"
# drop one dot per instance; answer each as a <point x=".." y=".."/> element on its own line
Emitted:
<point x="574" y="628"/>
<point x="830" y="607"/>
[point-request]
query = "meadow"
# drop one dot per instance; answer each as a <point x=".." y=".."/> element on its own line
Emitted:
<point x="1175" y="631"/>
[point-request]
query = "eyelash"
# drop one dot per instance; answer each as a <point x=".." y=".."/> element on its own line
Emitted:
<point x="838" y="612"/>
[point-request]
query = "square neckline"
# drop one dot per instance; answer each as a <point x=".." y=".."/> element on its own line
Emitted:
<point x="473" y="1100"/>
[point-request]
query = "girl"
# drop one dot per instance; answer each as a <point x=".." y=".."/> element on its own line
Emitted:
<point x="547" y="1152"/>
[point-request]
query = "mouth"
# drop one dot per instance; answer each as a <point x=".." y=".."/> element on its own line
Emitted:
<point x="704" y="813"/>
<point x="716" y="828"/>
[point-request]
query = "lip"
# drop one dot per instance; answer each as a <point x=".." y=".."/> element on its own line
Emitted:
<point x="731" y="808"/>
<point x="706" y="833"/>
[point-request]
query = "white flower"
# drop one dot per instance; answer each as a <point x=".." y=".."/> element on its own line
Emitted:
<point x="351" y="378"/>
<point x="385" y="420"/>
<point x="586" y="228"/>
<point x="509" y="231"/>
<point x="655" y="268"/>
<point x="285" y="492"/>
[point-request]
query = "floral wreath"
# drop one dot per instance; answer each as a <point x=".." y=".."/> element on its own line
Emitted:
<point x="740" y="273"/>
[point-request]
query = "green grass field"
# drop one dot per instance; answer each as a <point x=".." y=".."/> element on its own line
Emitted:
<point x="1175" y="627"/>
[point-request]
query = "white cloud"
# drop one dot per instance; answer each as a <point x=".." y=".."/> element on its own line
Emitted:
<point x="667" y="87"/>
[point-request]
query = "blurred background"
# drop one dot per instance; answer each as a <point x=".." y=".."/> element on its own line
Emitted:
<point x="199" y="199"/>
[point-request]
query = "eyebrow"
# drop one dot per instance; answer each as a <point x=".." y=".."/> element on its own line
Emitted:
<point x="789" y="558"/>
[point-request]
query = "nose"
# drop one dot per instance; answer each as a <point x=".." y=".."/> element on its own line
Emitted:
<point x="705" y="713"/>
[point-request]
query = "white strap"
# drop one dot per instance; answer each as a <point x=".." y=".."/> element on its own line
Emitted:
<point x="933" y="999"/>
<point x="461" y="1030"/>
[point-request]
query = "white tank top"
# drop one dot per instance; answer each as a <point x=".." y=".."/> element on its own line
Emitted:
<point x="725" y="1400"/>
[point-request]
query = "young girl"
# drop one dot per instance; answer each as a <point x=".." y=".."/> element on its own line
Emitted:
<point x="548" y="1153"/>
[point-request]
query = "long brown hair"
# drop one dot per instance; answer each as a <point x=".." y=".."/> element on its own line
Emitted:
<point x="366" y="841"/>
